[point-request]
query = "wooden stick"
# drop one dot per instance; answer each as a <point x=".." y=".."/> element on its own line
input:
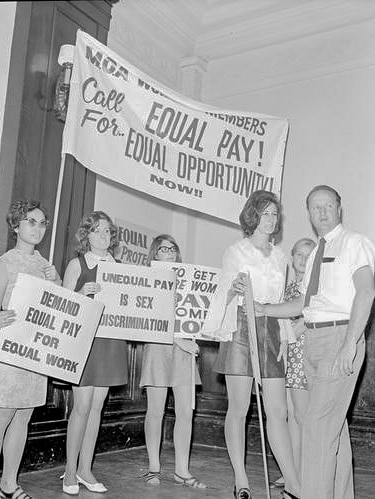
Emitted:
<point x="193" y="379"/>
<point x="254" y="356"/>
<point x="57" y="209"/>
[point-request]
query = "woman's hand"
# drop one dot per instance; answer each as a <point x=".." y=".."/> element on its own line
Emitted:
<point x="90" y="288"/>
<point x="283" y="350"/>
<point x="50" y="273"/>
<point x="298" y="327"/>
<point x="7" y="317"/>
<point x="238" y="286"/>
<point x="188" y="346"/>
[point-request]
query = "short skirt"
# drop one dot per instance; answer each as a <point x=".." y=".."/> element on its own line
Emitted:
<point x="295" y="375"/>
<point x="234" y="356"/>
<point x="21" y="389"/>
<point x="107" y="363"/>
<point x="167" y="365"/>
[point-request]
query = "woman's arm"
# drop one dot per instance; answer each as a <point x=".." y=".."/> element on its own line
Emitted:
<point x="6" y="316"/>
<point x="72" y="273"/>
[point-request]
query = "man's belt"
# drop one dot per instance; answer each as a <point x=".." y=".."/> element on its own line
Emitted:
<point x="315" y="325"/>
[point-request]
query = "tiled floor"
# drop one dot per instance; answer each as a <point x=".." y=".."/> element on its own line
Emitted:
<point x="121" y="472"/>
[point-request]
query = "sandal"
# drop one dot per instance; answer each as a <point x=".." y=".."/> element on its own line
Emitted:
<point x="18" y="493"/>
<point x="151" y="477"/>
<point x="190" y="481"/>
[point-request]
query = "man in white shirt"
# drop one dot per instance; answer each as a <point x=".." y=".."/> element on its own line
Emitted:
<point x="337" y="295"/>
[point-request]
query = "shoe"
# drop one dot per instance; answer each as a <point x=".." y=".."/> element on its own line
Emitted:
<point x="288" y="495"/>
<point x="190" y="481"/>
<point x="152" y="477"/>
<point x="242" y="493"/>
<point x="97" y="487"/>
<point x="71" y="490"/>
<point x="279" y="483"/>
<point x="17" y="493"/>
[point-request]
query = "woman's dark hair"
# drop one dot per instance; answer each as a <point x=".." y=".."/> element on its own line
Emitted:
<point x="155" y="245"/>
<point x="18" y="211"/>
<point x="88" y="224"/>
<point x="254" y="208"/>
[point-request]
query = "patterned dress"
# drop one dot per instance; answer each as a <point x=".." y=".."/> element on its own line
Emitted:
<point x="21" y="389"/>
<point x="295" y="376"/>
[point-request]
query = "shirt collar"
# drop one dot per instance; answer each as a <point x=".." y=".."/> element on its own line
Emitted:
<point x="333" y="233"/>
<point x="93" y="259"/>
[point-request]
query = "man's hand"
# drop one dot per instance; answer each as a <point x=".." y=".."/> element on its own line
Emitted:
<point x="283" y="350"/>
<point x="259" y="309"/>
<point x="343" y="365"/>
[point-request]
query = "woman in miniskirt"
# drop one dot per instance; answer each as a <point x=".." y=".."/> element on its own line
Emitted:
<point x="256" y="255"/>
<point x="163" y="367"/>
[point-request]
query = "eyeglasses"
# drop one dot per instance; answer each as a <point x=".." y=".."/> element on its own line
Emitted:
<point x="43" y="224"/>
<point x="167" y="249"/>
<point x="101" y="231"/>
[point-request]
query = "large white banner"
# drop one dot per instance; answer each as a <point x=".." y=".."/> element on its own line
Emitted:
<point x="53" y="330"/>
<point x="126" y="127"/>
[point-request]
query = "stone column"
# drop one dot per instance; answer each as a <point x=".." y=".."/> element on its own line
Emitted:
<point x="183" y="221"/>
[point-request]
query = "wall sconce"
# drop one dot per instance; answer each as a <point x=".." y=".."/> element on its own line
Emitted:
<point x="66" y="57"/>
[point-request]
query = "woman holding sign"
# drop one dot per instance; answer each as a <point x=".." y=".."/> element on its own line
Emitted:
<point x="20" y="390"/>
<point x="166" y="366"/>
<point x="255" y="254"/>
<point x="107" y="362"/>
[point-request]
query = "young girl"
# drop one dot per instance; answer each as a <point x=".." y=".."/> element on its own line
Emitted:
<point x="107" y="362"/>
<point x="164" y="366"/>
<point x="20" y="390"/>
<point x="295" y="376"/>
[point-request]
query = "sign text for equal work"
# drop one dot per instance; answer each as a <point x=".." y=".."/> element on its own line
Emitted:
<point x="53" y="331"/>
<point x="139" y="302"/>
<point x="195" y="287"/>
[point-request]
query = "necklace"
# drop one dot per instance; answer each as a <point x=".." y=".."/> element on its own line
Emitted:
<point x="264" y="249"/>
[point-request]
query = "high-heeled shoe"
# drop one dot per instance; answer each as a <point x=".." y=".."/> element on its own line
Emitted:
<point x="97" y="487"/>
<point x="288" y="495"/>
<point x="242" y="493"/>
<point x="72" y="490"/>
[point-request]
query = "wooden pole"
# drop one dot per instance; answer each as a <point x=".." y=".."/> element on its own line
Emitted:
<point x="193" y="379"/>
<point x="254" y="356"/>
<point x="57" y="208"/>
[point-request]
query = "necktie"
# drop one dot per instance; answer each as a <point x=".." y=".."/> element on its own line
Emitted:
<point x="312" y="288"/>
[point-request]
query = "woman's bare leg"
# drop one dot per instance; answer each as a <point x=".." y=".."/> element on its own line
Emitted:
<point x="275" y="406"/>
<point x="239" y="392"/>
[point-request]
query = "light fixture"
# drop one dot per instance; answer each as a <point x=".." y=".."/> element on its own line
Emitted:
<point x="66" y="57"/>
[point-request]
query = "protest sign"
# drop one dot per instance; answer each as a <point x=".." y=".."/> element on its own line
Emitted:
<point x="53" y="331"/>
<point x="134" y="242"/>
<point x="139" y="302"/>
<point x="195" y="287"/>
<point x="125" y="126"/>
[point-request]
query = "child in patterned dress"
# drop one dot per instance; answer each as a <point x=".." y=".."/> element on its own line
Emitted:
<point x="295" y="377"/>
